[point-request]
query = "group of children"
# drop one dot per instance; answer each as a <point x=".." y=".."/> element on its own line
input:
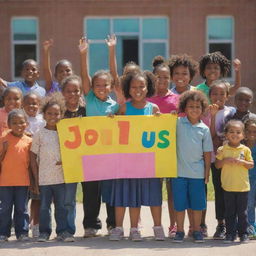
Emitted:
<point x="210" y="136"/>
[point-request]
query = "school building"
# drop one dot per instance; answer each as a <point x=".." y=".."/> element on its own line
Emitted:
<point x="144" y="28"/>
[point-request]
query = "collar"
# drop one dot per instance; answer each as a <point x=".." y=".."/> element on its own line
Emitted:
<point x="199" y="124"/>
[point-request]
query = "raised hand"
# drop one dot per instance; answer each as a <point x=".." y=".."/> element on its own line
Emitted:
<point x="83" y="45"/>
<point x="237" y="64"/>
<point x="213" y="108"/>
<point x="111" y="40"/>
<point x="48" y="44"/>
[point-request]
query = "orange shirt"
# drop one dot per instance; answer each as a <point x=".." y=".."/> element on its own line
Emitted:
<point x="3" y="122"/>
<point x="14" y="167"/>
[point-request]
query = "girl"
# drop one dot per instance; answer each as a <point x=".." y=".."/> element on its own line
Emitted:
<point x="63" y="69"/>
<point x="47" y="171"/>
<point x="14" y="177"/>
<point x="214" y="66"/>
<point x="250" y="141"/>
<point x="12" y="98"/>
<point x="133" y="193"/>
<point x="194" y="146"/>
<point x="72" y="91"/>
<point x="235" y="159"/>
<point x="182" y="69"/>
<point x="98" y="103"/>
<point x="167" y="102"/>
<point x="219" y="93"/>
<point x="31" y="103"/>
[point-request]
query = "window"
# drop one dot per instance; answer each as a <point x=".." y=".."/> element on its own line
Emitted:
<point x="220" y="36"/>
<point x="24" y="41"/>
<point x="139" y="39"/>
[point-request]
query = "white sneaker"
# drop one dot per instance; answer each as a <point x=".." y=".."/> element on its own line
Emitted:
<point x="90" y="232"/>
<point x="135" y="235"/>
<point x="35" y="230"/>
<point x="159" y="233"/>
<point x="116" y="234"/>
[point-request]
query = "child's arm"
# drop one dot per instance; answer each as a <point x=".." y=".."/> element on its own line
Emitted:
<point x="246" y="164"/>
<point x="86" y="79"/>
<point x="122" y="110"/>
<point x="237" y="67"/>
<point x="3" y="150"/>
<point x="156" y="110"/>
<point x="207" y="165"/>
<point x="3" y="83"/>
<point x="34" y="172"/>
<point x="47" y="64"/>
<point x="214" y="108"/>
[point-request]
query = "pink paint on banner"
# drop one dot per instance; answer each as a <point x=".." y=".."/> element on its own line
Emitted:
<point x="119" y="166"/>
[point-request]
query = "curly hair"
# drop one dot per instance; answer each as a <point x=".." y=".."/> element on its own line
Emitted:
<point x="183" y="60"/>
<point x="250" y="121"/>
<point x="217" y="83"/>
<point x="146" y="75"/>
<point x="15" y="113"/>
<point x="159" y="63"/>
<point x="129" y="65"/>
<point x="215" y="58"/>
<point x="195" y="96"/>
<point x="55" y="98"/>
<point x="233" y="123"/>
<point x="69" y="79"/>
<point x="100" y="73"/>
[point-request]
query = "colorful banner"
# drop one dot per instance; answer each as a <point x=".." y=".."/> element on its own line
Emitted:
<point x="102" y="148"/>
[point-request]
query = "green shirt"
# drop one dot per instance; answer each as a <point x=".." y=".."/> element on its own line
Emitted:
<point x="204" y="88"/>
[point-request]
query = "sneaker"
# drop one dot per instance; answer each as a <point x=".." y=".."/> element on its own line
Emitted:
<point x="43" y="237"/>
<point x="204" y="230"/>
<point x="229" y="239"/>
<point x="3" y="239"/>
<point x="172" y="231"/>
<point x="116" y="234"/>
<point x="159" y="233"/>
<point x="220" y="232"/>
<point x="190" y="232"/>
<point x="65" y="237"/>
<point x="179" y="237"/>
<point x="244" y="238"/>
<point x="90" y="232"/>
<point x="109" y="228"/>
<point x="23" y="238"/>
<point x="35" y="230"/>
<point x="135" y="235"/>
<point x="198" y="237"/>
<point x="251" y="232"/>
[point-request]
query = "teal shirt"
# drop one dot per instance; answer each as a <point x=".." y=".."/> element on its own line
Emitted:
<point x="204" y="88"/>
<point x="97" y="107"/>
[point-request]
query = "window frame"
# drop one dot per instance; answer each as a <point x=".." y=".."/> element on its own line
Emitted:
<point x="22" y="42"/>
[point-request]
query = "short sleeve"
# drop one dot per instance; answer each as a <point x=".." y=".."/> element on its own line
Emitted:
<point x="219" y="154"/>
<point x="207" y="141"/>
<point x="89" y="97"/>
<point x="248" y="155"/>
<point x="35" y="143"/>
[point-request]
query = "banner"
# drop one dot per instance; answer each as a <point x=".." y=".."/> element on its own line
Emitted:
<point x="102" y="148"/>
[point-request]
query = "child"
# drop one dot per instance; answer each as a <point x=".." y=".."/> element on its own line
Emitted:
<point x="14" y="177"/>
<point x="30" y="73"/>
<point x="194" y="146"/>
<point x="235" y="159"/>
<point x="31" y="104"/>
<point x="167" y="102"/>
<point x="98" y="103"/>
<point x="182" y="69"/>
<point x="250" y="141"/>
<point x="63" y="69"/>
<point x="243" y="101"/>
<point x="214" y="66"/>
<point x="72" y="91"/>
<point x="134" y="193"/>
<point x="219" y="93"/>
<point x="12" y="98"/>
<point x="47" y="171"/>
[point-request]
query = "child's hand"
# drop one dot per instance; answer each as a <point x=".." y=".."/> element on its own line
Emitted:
<point x="213" y="108"/>
<point x="157" y="113"/>
<point x="237" y="64"/>
<point x="206" y="180"/>
<point x="3" y="82"/>
<point x="83" y="45"/>
<point x="48" y="44"/>
<point x="110" y="115"/>
<point x="231" y="160"/>
<point x="59" y="163"/>
<point x="111" y="40"/>
<point x="174" y="112"/>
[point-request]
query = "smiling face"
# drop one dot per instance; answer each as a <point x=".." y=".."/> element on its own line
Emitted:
<point x="163" y="79"/>
<point x="193" y="110"/>
<point x="17" y="125"/>
<point x="30" y="73"/>
<point x="12" y="100"/>
<point x="235" y="135"/>
<point x="102" y="87"/>
<point x="219" y="95"/>
<point x="138" y="89"/>
<point x="62" y="71"/>
<point x="243" y="102"/>
<point x="31" y="105"/>
<point x="250" y="133"/>
<point x="52" y="116"/>
<point x="212" y="72"/>
<point x="72" y="92"/>
<point x="181" y="78"/>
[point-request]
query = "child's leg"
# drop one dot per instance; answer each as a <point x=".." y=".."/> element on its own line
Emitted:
<point x="252" y="201"/>
<point x="197" y="215"/>
<point x="242" y="199"/>
<point x="119" y="212"/>
<point x="180" y="217"/>
<point x="230" y="206"/>
<point x="156" y="212"/>
<point x="172" y="212"/>
<point x="134" y="216"/>
<point x="21" y="218"/>
<point x="6" y="204"/>
<point x="34" y="211"/>
<point x="191" y="221"/>
<point x="111" y="222"/>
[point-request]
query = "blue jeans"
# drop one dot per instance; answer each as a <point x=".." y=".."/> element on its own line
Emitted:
<point x="57" y="194"/>
<point x="70" y="205"/>
<point x="252" y="201"/>
<point x="18" y="197"/>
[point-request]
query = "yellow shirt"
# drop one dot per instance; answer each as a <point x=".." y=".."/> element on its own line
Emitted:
<point x="234" y="178"/>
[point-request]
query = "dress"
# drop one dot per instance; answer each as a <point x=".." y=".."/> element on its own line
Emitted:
<point x="137" y="192"/>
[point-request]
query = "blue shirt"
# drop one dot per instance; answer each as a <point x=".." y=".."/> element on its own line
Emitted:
<point x="252" y="172"/>
<point x="97" y="107"/>
<point x="192" y="142"/>
<point x="40" y="91"/>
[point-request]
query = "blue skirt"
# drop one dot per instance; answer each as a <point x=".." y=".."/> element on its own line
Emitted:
<point x="106" y="188"/>
<point x="136" y="192"/>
